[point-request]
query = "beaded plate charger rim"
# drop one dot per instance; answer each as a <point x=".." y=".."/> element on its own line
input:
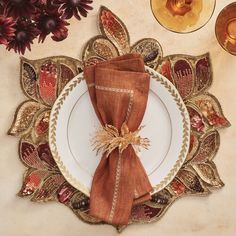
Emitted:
<point x="43" y="80"/>
<point x="75" y="156"/>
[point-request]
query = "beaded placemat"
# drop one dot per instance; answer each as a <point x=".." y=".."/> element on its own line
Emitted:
<point x="42" y="81"/>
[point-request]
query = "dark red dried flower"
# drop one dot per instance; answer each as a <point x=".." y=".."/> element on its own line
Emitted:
<point x="50" y="22"/>
<point x="20" y="8"/>
<point x="26" y="32"/>
<point x="78" y="8"/>
<point x="37" y="18"/>
<point x="1" y="7"/>
<point x="43" y="2"/>
<point x="6" y="29"/>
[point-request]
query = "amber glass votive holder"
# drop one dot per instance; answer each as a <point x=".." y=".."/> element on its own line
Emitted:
<point x="183" y="16"/>
<point x="225" y="28"/>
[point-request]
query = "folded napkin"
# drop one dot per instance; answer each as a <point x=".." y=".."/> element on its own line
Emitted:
<point x="119" y="91"/>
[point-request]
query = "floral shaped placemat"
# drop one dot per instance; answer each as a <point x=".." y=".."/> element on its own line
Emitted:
<point x="42" y="81"/>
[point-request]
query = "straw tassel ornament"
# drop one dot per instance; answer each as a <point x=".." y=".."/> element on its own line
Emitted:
<point x="108" y="138"/>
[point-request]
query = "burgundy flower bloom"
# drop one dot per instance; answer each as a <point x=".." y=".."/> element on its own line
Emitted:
<point x="78" y="8"/>
<point x="43" y="2"/>
<point x="6" y="29"/>
<point x="26" y="32"/>
<point x="35" y="18"/>
<point x="19" y="8"/>
<point x="1" y="7"/>
<point x="50" y="22"/>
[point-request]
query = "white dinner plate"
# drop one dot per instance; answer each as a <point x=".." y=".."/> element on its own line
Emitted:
<point x="73" y="123"/>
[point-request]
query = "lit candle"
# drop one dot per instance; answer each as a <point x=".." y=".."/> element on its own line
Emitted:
<point x="231" y="29"/>
<point x="178" y="7"/>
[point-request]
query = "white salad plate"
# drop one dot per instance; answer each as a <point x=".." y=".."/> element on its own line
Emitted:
<point x="73" y="123"/>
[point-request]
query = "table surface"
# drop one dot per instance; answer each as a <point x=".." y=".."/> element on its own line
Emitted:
<point x="210" y="215"/>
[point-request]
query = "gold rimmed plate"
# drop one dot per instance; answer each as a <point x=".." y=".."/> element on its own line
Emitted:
<point x="73" y="123"/>
<point x="225" y="28"/>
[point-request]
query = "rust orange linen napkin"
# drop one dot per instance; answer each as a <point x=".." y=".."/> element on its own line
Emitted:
<point x="119" y="91"/>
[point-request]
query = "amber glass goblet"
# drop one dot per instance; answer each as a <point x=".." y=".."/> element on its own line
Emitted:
<point x="183" y="16"/>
